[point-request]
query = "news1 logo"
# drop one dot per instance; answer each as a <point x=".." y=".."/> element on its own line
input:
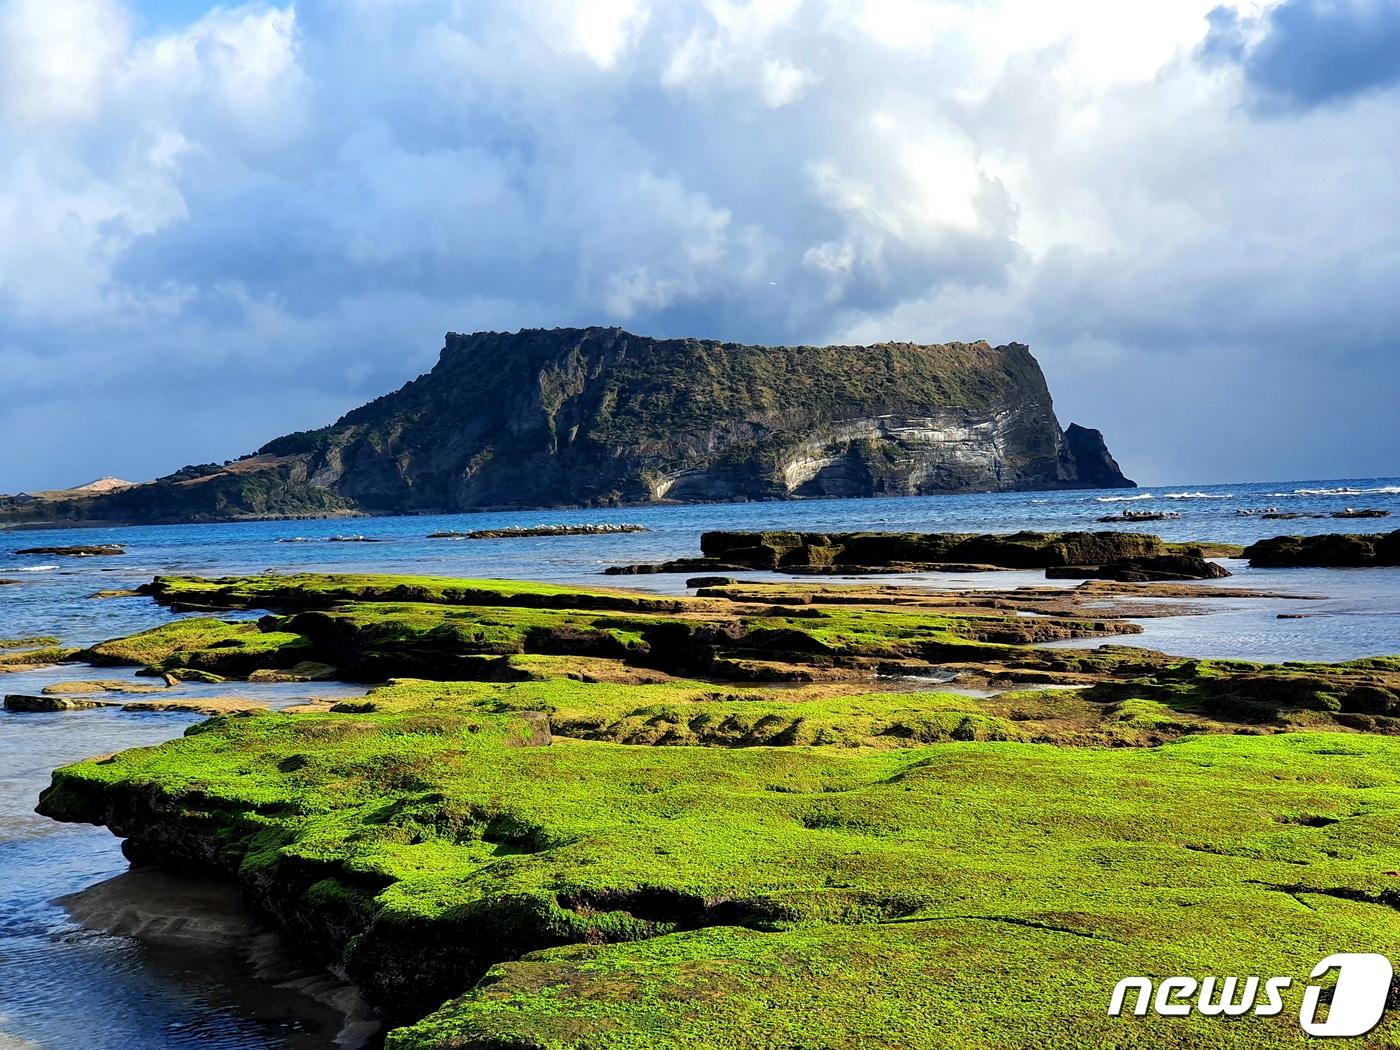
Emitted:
<point x="1357" y="1001"/>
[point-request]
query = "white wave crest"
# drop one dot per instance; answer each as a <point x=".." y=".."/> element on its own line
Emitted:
<point x="1123" y="499"/>
<point x="1198" y="495"/>
<point x="1344" y="490"/>
<point x="34" y="568"/>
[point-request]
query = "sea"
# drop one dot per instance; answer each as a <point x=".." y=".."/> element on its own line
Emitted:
<point x="66" y="984"/>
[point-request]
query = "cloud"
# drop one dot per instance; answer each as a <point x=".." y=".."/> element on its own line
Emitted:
<point x="223" y="230"/>
<point x="1305" y="53"/>
<point x="58" y="58"/>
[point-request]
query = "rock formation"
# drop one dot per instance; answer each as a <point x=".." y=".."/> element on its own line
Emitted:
<point x="598" y="416"/>
<point x="1350" y="550"/>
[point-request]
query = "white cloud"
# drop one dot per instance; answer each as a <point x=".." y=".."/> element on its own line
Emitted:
<point x="302" y="198"/>
<point x="58" y="56"/>
<point x="783" y="82"/>
<point x="605" y="29"/>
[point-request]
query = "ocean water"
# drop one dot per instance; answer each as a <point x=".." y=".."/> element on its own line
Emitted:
<point x="66" y="987"/>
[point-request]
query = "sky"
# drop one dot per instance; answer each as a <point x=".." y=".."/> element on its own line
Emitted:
<point x="222" y="224"/>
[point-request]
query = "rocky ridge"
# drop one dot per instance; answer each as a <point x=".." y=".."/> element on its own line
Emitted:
<point x="598" y="416"/>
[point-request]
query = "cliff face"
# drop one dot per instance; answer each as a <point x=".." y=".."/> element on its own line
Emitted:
<point x="597" y="415"/>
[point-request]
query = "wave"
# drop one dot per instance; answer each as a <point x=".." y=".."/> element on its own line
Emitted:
<point x="1344" y="490"/>
<point x="1198" y="495"/>
<point x="33" y="568"/>
<point x="1123" y="499"/>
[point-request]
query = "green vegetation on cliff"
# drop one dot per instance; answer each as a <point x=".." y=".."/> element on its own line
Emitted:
<point x="600" y="416"/>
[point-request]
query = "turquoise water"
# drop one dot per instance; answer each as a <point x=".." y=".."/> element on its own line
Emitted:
<point x="64" y="987"/>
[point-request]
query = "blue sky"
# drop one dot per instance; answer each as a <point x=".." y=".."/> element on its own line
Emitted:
<point x="221" y="224"/>
<point x="166" y="15"/>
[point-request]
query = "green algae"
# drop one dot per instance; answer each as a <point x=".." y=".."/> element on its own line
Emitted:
<point x="226" y="648"/>
<point x="462" y="852"/>
<point x="320" y="590"/>
<point x="580" y="848"/>
<point x="52" y="654"/>
<point x="28" y="643"/>
<point x="374" y="628"/>
<point x="685" y="712"/>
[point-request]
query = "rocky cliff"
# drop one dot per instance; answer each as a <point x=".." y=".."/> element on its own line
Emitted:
<point x="600" y="416"/>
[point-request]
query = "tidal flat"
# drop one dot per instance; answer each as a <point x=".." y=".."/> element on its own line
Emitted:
<point x="577" y="816"/>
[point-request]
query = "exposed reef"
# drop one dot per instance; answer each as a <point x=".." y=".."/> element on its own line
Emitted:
<point x="762" y="815"/>
<point x="1124" y="556"/>
<point x="527" y="532"/>
<point x="80" y="551"/>
<point x="1336" y="551"/>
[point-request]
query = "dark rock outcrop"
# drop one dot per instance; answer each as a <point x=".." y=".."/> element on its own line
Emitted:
<point x="1126" y="556"/>
<point x="597" y="416"/>
<point x="1094" y="466"/>
<point x="1189" y="564"/>
<point x="1337" y="552"/>
<point x="19" y="702"/>
<point x="534" y="531"/>
<point x="81" y="551"/>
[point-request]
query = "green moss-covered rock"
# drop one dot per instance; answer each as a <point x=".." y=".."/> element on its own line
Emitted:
<point x="753" y="897"/>
<point x="48" y="654"/>
<point x="222" y="648"/>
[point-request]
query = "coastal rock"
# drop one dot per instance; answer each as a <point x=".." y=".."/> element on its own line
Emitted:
<point x="30" y="659"/>
<point x="1336" y="551"/>
<point x="306" y="671"/>
<point x="180" y="675"/>
<point x="79" y="551"/>
<point x="1141" y="515"/>
<point x="204" y="705"/>
<point x="1158" y="568"/>
<point x="1095" y="468"/>
<point x="35" y="704"/>
<point x="601" y="417"/>
<point x="527" y="532"/>
<point x="106" y="685"/>
<point x="914" y="551"/>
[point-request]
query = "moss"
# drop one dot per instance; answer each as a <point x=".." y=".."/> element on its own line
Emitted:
<point x="909" y="867"/>
<point x="1263" y="692"/>
<point x="28" y="643"/>
<point x="919" y="875"/>
<point x="34" y="657"/>
<point x="818" y="861"/>
<point x="317" y="590"/>
<point x="373" y="628"/>
<point x="159" y="644"/>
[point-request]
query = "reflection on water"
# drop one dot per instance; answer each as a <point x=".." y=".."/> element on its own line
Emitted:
<point x="65" y="987"/>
